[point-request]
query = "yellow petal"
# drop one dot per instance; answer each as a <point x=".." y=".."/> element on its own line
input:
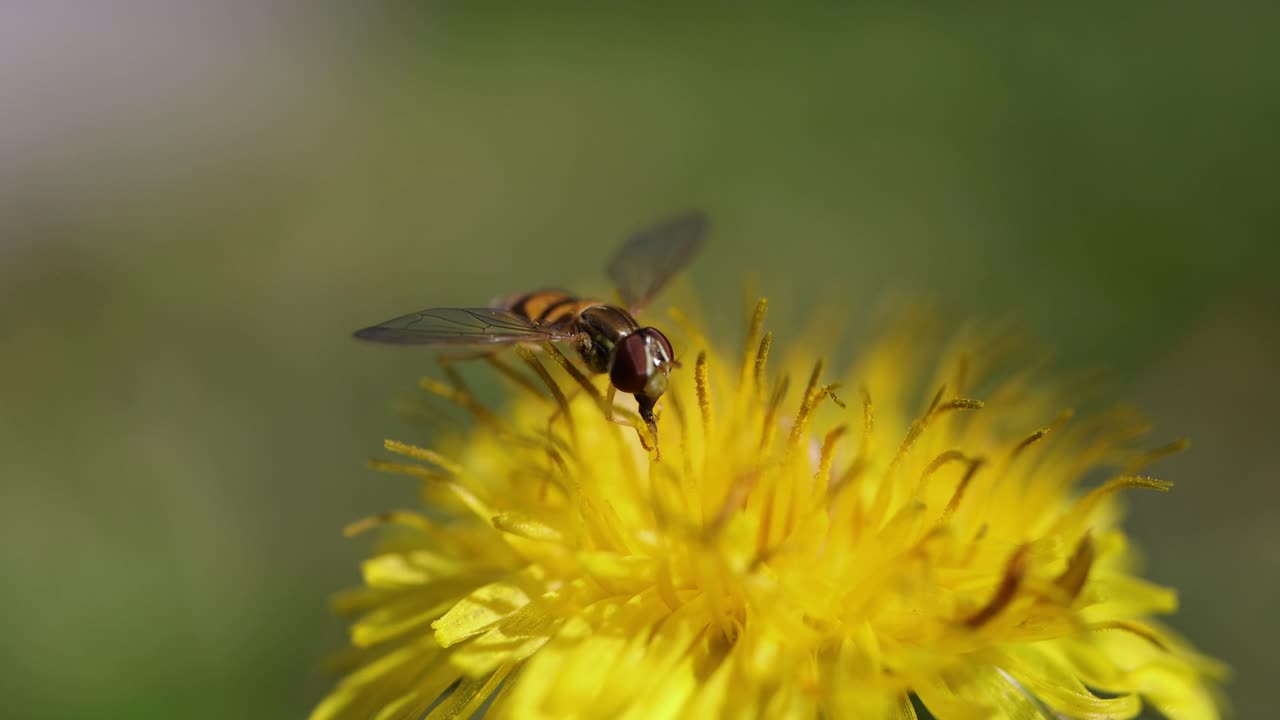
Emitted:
<point x="526" y="527"/>
<point x="1175" y="693"/>
<point x="468" y="696"/>
<point x="397" y="682"/>
<point x="622" y="575"/>
<point x="943" y="702"/>
<point x="400" y="570"/>
<point x="480" y="611"/>
<point x="513" y="640"/>
<point x="393" y="619"/>
<point x="1058" y="687"/>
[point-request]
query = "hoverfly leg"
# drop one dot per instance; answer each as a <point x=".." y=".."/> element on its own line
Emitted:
<point x="609" y="407"/>
<point x="608" y="402"/>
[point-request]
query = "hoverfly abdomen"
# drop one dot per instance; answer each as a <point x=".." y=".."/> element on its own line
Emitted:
<point x="535" y="305"/>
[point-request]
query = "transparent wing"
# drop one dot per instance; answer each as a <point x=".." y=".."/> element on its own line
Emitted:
<point x="462" y="326"/>
<point x="648" y="259"/>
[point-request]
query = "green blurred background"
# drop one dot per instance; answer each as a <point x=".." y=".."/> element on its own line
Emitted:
<point x="199" y="202"/>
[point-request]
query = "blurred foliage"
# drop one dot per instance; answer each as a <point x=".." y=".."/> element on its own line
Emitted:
<point x="184" y="419"/>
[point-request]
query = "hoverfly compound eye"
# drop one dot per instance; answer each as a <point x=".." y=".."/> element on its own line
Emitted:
<point x="631" y="363"/>
<point x="661" y="347"/>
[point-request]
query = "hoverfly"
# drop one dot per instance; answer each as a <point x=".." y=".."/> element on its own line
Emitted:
<point x="606" y="337"/>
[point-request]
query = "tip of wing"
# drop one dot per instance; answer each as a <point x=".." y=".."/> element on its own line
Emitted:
<point x="376" y="334"/>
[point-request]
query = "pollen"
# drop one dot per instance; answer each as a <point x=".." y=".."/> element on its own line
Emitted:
<point x="774" y="551"/>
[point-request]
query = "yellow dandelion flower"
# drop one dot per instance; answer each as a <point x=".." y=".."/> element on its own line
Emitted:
<point x="780" y="553"/>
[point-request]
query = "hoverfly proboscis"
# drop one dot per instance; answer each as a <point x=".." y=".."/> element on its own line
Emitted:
<point x="606" y="337"/>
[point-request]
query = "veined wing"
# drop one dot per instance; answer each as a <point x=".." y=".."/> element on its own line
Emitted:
<point x="462" y="326"/>
<point x="650" y="258"/>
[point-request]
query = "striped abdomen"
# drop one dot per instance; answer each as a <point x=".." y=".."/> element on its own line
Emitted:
<point x="546" y="307"/>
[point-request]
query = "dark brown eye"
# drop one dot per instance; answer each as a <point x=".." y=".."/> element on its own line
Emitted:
<point x="630" y="364"/>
